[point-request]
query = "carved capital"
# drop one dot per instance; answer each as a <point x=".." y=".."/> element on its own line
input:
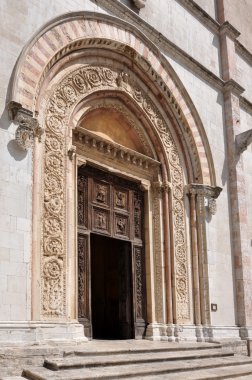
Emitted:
<point x="209" y="193"/>
<point x="139" y="3"/>
<point x="160" y="187"/>
<point x="28" y="126"/>
<point x="166" y="187"/>
<point x="243" y="140"/>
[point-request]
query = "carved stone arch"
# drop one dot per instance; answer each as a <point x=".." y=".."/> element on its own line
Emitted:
<point x="154" y="89"/>
<point x="71" y="90"/>
<point x="84" y="30"/>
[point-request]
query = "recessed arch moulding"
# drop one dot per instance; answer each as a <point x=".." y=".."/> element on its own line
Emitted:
<point x="79" y="67"/>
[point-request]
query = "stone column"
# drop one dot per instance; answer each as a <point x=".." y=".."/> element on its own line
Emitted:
<point x="201" y="196"/>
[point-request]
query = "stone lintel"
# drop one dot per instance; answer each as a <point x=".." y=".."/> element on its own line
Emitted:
<point x="92" y="141"/>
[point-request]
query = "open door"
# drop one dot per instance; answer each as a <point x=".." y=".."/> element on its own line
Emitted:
<point x="111" y="288"/>
<point x="111" y="257"/>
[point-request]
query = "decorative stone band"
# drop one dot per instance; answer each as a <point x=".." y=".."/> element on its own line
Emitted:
<point x="28" y="126"/>
<point x="210" y="193"/>
<point x="243" y="140"/>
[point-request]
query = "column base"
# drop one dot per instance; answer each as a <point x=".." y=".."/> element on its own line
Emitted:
<point x="192" y="333"/>
<point x="37" y="332"/>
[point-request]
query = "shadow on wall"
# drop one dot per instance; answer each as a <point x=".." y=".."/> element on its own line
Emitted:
<point x="14" y="150"/>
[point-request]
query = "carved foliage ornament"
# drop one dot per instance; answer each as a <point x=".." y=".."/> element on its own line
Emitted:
<point x="71" y="90"/>
<point x="209" y="193"/>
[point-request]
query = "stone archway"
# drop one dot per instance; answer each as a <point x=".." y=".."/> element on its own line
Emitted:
<point x="70" y="92"/>
<point x="144" y="82"/>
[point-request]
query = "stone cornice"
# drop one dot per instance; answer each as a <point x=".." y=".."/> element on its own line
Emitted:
<point x="201" y="15"/>
<point x="245" y="104"/>
<point x="83" y="137"/>
<point x="122" y="11"/>
<point x="229" y="30"/>
<point x="232" y="86"/>
<point x="243" y="52"/>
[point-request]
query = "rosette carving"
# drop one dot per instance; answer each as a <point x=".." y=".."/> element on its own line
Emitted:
<point x="71" y="90"/>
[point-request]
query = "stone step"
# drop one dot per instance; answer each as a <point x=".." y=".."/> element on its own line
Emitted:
<point x="129" y="358"/>
<point x="241" y="372"/>
<point x="134" y="346"/>
<point x="139" y="370"/>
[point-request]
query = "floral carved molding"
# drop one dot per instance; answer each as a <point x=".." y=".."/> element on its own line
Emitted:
<point x="71" y="90"/>
<point x="28" y="126"/>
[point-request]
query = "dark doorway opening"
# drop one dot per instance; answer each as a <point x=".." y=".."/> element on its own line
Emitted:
<point x="111" y="288"/>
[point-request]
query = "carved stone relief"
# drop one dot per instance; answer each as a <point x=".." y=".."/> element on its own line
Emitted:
<point x="101" y="195"/>
<point x="121" y="225"/>
<point x="120" y="199"/>
<point x="101" y="220"/>
<point x="71" y="90"/>
<point x="28" y="126"/>
<point x="83" y="277"/>
<point x="140" y="283"/>
<point x="82" y="201"/>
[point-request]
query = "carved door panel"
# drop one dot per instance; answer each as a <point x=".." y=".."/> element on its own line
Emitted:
<point x="113" y="207"/>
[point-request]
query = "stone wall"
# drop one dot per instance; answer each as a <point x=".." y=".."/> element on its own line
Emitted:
<point x="180" y="26"/>
<point x="239" y="14"/>
<point x="20" y="21"/>
<point x="209" y="104"/>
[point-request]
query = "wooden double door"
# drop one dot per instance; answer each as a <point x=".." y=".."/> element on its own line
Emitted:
<point x="111" y="259"/>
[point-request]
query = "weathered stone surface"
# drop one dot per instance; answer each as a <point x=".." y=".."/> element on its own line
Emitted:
<point x="135" y="359"/>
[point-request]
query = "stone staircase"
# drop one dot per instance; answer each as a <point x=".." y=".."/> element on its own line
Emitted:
<point x="141" y="360"/>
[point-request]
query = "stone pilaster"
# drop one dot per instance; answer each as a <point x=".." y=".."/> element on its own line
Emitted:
<point x="201" y="197"/>
<point x="237" y="192"/>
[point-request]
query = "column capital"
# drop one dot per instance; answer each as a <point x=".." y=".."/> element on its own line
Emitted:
<point x="161" y="187"/>
<point x="28" y="126"/>
<point x="203" y="190"/>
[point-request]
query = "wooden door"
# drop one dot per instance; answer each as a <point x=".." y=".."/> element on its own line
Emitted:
<point x="112" y="206"/>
